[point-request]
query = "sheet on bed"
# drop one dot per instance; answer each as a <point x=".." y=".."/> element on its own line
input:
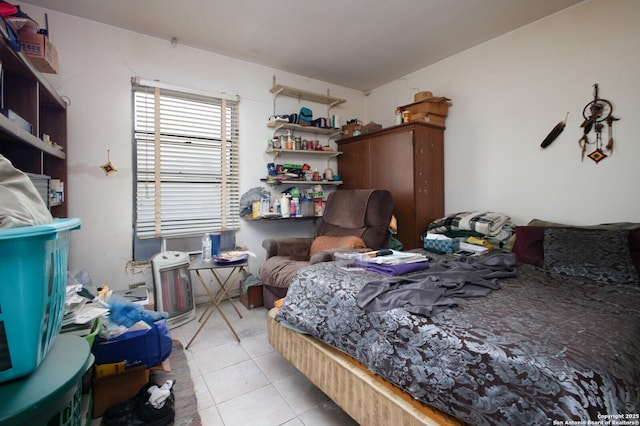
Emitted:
<point x="544" y="347"/>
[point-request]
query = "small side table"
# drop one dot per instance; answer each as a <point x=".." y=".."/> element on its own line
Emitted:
<point x="225" y="285"/>
<point x="54" y="388"/>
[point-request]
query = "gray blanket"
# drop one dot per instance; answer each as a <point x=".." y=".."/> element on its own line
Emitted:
<point x="430" y="292"/>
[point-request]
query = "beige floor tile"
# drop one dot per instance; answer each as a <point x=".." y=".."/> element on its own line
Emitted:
<point x="210" y="417"/>
<point x="249" y="383"/>
<point x="275" y="366"/>
<point x="326" y="414"/>
<point x="262" y="407"/>
<point x="299" y="392"/>
<point x="221" y="356"/>
<point x="234" y="381"/>
<point x="257" y="345"/>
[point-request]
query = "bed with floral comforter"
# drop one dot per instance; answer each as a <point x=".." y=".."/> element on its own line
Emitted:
<point x="544" y="347"/>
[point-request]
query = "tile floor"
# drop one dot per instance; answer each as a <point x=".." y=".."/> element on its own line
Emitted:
<point x="249" y="383"/>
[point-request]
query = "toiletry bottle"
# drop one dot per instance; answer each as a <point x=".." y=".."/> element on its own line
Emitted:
<point x="284" y="206"/>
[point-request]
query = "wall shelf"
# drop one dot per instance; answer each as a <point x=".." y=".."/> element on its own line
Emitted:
<point x="278" y="151"/>
<point x="328" y="100"/>
<point x="10" y="129"/>
<point x="279" y="218"/>
<point x="305" y="129"/>
<point x="292" y="92"/>
<point x="30" y="96"/>
<point x="302" y="182"/>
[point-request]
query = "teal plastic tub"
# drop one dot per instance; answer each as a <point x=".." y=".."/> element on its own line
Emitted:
<point x="33" y="280"/>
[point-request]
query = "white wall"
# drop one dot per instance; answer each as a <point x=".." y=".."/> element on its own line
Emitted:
<point x="96" y="64"/>
<point x="510" y="92"/>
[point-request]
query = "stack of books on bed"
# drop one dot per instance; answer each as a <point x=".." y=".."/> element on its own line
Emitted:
<point x="393" y="262"/>
<point x="393" y="257"/>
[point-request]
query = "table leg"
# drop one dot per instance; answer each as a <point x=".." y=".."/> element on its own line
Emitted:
<point x="215" y="304"/>
<point x="235" y="273"/>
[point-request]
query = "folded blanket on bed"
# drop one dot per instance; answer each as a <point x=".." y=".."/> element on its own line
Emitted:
<point x="485" y="223"/>
<point x="435" y="290"/>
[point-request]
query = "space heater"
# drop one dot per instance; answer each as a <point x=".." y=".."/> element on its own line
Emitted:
<point x="172" y="287"/>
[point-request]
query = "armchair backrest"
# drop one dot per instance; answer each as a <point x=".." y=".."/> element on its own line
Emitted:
<point x="361" y="212"/>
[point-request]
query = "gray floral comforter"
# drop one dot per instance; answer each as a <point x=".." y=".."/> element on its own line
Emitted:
<point x="544" y="347"/>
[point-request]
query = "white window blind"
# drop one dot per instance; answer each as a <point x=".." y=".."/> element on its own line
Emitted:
<point x="186" y="161"/>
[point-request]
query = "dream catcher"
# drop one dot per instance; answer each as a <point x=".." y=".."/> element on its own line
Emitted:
<point x="596" y="113"/>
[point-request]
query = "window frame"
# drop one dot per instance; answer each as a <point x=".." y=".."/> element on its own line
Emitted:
<point x="170" y="148"/>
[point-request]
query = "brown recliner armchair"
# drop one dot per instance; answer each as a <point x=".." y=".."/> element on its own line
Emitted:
<point x="354" y="220"/>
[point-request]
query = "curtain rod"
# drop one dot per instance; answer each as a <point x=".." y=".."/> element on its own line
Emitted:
<point x="154" y="83"/>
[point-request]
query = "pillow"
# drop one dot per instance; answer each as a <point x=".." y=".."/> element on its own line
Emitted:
<point x="634" y="247"/>
<point x="599" y="255"/>
<point x="528" y="246"/>
<point x="326" y="242"/>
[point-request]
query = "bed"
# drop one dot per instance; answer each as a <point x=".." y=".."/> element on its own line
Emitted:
<point x="558" y="341"/>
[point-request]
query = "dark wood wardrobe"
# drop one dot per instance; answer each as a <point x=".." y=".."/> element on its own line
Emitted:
<point x="407" y="160"/>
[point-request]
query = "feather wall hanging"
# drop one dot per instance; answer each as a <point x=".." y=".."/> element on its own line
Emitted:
<point x="596" y="113"/>
<point x="555" y="132"/>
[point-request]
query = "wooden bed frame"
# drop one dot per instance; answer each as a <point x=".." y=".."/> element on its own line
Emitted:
<point x="367" y="398"/>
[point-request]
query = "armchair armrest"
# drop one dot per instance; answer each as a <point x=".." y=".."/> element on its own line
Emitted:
<point x="329" y="254"/>
<point x="296" y="246"/>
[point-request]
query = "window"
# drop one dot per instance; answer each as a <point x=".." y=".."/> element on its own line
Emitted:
<point x="186" y="166"/>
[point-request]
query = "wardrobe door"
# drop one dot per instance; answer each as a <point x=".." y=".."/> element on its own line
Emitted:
<point x="391" y="167"/>
<point x="353" y="164"/>
<point x="428" y="177"/>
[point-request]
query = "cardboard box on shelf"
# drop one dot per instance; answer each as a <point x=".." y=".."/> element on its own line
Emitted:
<point x="434" y="119"/>
<point x="428" y="107"/>
<point x="348" y="129"/>
<point x="39" y="49"/>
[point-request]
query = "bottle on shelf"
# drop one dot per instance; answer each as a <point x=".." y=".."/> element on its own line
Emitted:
<point x="206" y="247"/>
<point x="398" y="115"/>
<point x="306" y="207"/>
<point x="284" y="206"/>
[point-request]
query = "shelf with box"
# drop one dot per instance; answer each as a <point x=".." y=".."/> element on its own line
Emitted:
<point x="278" y="151"/>
<point x="427" y="108"/>
<point x="301" y="182"/>
<point x="293" y="204"/>
<point x="331" y="132"/>
<point x="33" y="123"/>
<point x="329" y="127"/>
<point x="284" y="144"/>
<point x="296" y="174"/>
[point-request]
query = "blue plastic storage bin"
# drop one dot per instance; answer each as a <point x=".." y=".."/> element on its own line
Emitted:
<point x="33" y="279"/>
